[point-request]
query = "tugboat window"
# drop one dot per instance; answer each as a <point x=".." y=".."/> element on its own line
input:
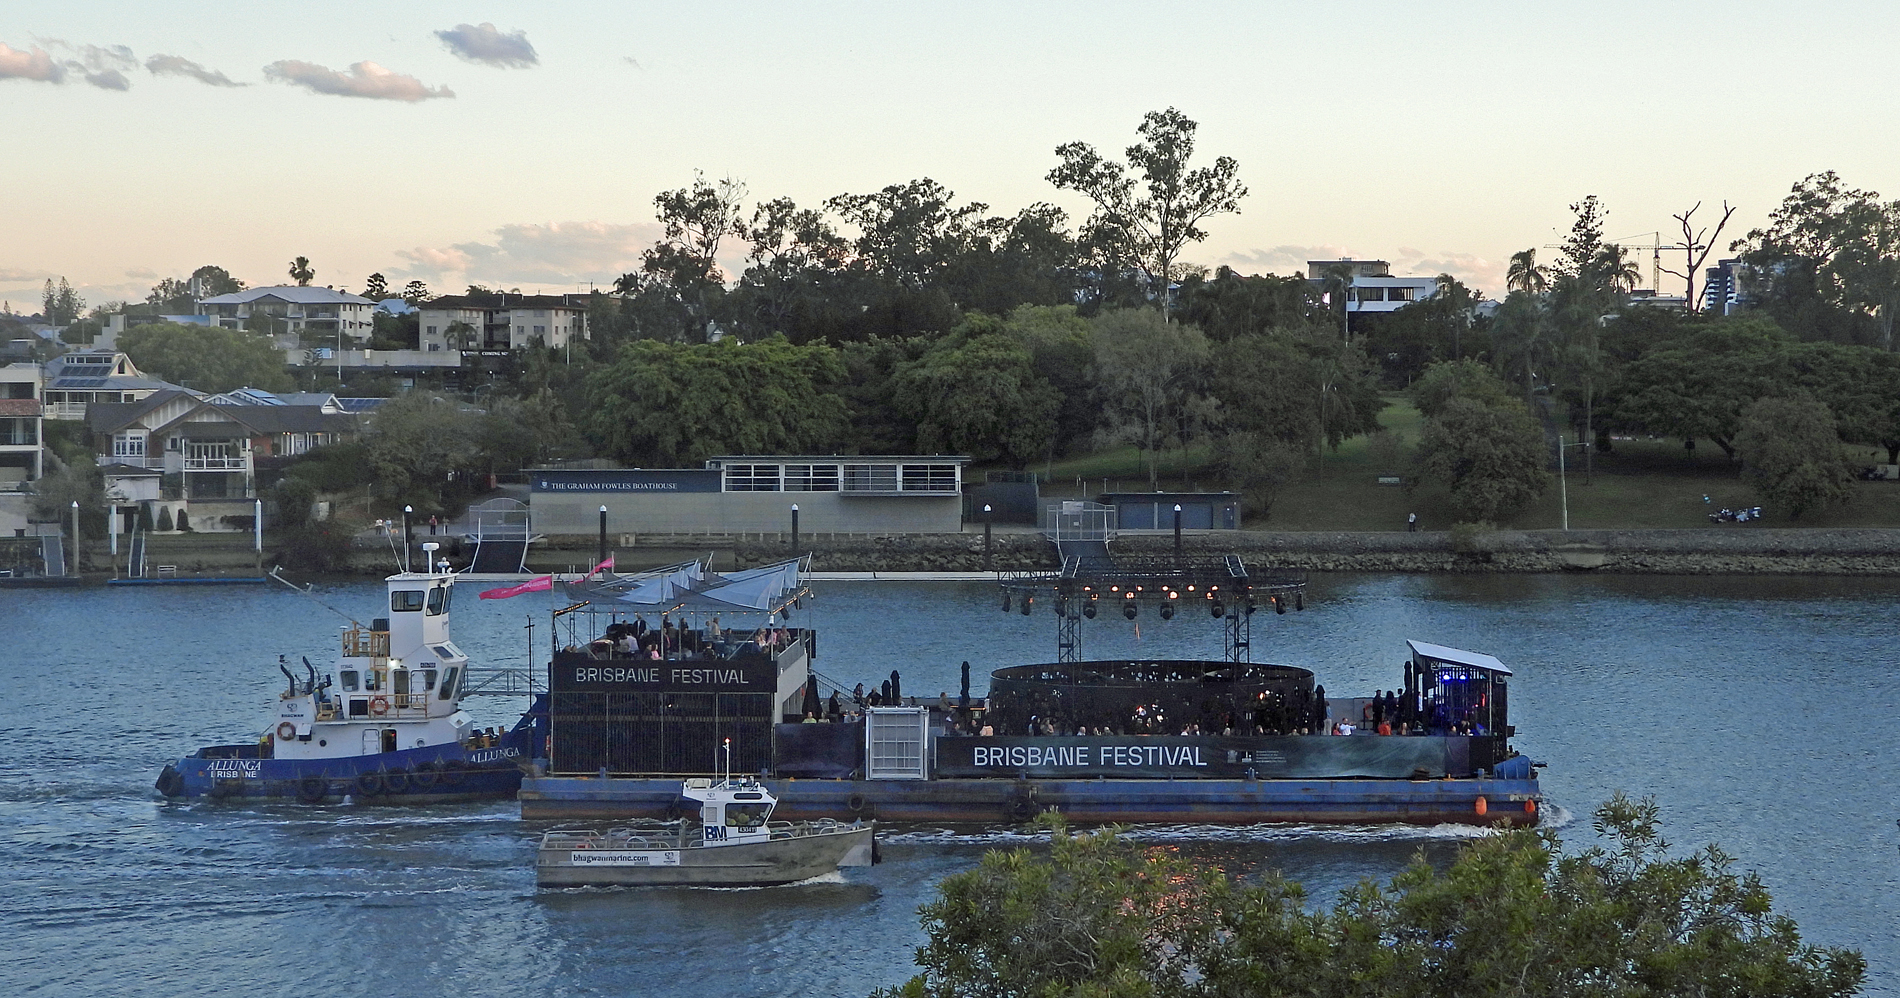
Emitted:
<point x="448" y="684"/>
<point x="436" y="600"/>
<point x="428" y="679"/>
<point x="405" y="601"/>
<point x="746" y="815"/>
<point x="349" y="680"/>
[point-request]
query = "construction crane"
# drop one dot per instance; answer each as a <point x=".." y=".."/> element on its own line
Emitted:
<point x="1655" y="246"/>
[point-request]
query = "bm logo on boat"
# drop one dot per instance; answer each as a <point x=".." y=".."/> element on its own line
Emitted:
<point x="234" y="769"/>
<point x="1017" y="756"/>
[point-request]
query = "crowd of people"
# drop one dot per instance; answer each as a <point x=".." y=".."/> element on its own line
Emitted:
<point x="680" y="642"/>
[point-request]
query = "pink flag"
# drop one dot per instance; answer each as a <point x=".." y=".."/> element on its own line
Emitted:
<point x="606" y="566"/>
<point x="540" y="584"/>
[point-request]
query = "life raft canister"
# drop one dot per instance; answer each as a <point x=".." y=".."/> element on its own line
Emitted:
<point x="1481" y="807"/>
<point x="379" y="705"/>
<point x="286" y="731"/>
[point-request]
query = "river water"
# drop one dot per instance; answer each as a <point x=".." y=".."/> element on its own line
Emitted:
<point x="1760" y="712"/>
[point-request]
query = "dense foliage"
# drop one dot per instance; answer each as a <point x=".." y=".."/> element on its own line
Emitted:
<point x="1514" y="914"/>
<point x="206" y="358"/>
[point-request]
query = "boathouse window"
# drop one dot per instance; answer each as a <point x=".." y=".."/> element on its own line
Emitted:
<point x="811" y="478"/>
<point x="438" y="600"/>
<point x="448" y="683"/>
<point x="752" y="478"/>
<point x="349" y="680"/>
<point x="405" y="601"/>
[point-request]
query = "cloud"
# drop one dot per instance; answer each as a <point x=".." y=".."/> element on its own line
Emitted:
<point x="1288" y="260"/>
<point x="37" y="64"/>
<point x="12" y="275"/>
<point x="178" y="65"/>
<point x="365" y="79"/>
<point x="635" y="63"/>
<point x="552" y="253"/>
<point x="144" y="273"/>
<point x="484" y="43"/>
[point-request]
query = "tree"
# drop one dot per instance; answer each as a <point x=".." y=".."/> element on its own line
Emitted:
<point x="1801" y="263"/>
<point x="207" y="358"/>
<point x="376" y="288"/>
<point x="1148" y="370"/>
<point x="1526" y="275"/>
<point x="77" y="481"/>
<point x="1791" y="455"/>
<point x="1522" y="339"/>
<point x="300" y="271"/>
<point x="415" y="292"/>
<point x="462" y="336"/>
<point x="1697" y="386"/>
<point x="1695" y="250"/>
<point x="672" y="405"/>
<point x="1299" y="387"/>
<point x="417" y="442"/>
<point x="1513" y="914"/>
<point x="1258" y="467"/>
<point x="1338" y="283"/>
<point x="213" y="281"/>
<point x="59" y="305"/>
<point x="1155" y="221"/>
<point x="976" y="392"/>
<point x="1491" y="456"/>
<point x="1058" y="341"/>
<point x="1447" y="380"/>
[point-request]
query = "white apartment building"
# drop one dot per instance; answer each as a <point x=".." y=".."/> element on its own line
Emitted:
<point x="321" y="312"/>
<point x="501" y="321"/>
<point x="1373" y="288"/>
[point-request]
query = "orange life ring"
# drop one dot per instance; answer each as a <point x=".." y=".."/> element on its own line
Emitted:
<point x="1481" y="806"/>
<point x="286" y="731"/>
<point x="1530" y="807"/>
<point x="379" y="705"/>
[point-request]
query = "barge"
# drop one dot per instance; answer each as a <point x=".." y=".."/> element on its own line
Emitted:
<point x="1217" y="742"/>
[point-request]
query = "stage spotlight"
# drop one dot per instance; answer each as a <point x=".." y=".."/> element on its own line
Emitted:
<point x="1167" y="611"/>
<point x="1279" y="605"/>
<point x="1215" y="610"/>
<point x="1062" y="607"/>
<point x="1006" y="601"/>
<point x="1088" y="609"/>
<point x="1029" y="603"/>
<point x="1299" y="602"/>
<point x="1129" y="610"/>
<point x="1250" y="608"/>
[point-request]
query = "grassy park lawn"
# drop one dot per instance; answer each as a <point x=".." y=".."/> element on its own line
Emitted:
<point x="1641" y="484"/>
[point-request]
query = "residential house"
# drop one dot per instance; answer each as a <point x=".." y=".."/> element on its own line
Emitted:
<point x="75" y="380"/>
<point x="1373" y="288"/>
<point x="200" y="455"/>
<point x="295" y="312"/>
<point x="22" y="458"/>
<point x="502" y="321"/>
<point x="118" y="322"/>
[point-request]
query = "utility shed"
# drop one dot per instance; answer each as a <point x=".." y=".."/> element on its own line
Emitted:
<point x="1155" y="510"/>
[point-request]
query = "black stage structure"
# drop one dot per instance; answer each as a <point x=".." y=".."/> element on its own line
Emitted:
<point x="1221" y="587"/>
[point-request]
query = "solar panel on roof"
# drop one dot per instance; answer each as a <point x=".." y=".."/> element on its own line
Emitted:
<point x="79" y="382"/>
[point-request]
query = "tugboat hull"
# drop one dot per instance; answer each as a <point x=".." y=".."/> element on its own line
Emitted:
<point x="434" y="774"/>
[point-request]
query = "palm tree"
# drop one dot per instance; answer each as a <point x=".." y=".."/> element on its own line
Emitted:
<point x="1338" y="286"/>
<point x="1525" y="275"/>
<point x="1615" y="271"/>
<point x="1521" y="336"/>
<point x="300" y="271"/>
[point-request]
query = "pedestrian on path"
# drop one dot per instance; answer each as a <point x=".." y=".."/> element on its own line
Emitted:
<point x="1411" y="523"/>
<point x="433" y="522"/>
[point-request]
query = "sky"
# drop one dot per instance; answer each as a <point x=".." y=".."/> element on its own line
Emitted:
<point x="521" y="145"/>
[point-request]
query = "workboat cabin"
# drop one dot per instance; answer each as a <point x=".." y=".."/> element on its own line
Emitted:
<point x="386" y="723"/>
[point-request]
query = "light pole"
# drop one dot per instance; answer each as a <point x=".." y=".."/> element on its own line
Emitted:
<point x="75" y="561"/>
<point x="1177" y="532"/>
<point x="986" y="537"/>
<point x="1563" y="488"/>
<point x="794" y="528"/>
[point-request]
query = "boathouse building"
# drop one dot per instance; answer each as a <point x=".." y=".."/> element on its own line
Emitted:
<point x="886" y="494"/>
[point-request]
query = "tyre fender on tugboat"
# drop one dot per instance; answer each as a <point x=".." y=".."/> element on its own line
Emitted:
<point x="396" y="781"/>
<point x="312" y="789"/>
<point x="370" y="784"/>
<point x="170" y="782"/>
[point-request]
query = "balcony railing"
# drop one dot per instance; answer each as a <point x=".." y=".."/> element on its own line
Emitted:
<point x="217" y="463"/>
<point x="65" y="410"/>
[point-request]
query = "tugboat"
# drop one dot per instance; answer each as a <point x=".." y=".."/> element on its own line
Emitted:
<point x="386" y="728"/>
<point x="729" y="840"/>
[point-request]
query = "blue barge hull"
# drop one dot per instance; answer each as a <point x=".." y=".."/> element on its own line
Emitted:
<point x="1188" y="801"/>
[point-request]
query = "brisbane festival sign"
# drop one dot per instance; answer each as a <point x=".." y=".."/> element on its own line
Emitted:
<point x="1288" y="756"/>
<point x="589" y="675"/>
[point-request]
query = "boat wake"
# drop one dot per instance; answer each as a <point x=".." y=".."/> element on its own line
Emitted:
<point x="1555" y="816"/>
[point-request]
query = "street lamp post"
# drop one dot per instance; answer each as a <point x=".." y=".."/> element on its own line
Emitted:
<point x="1177" y="532"/>
<point x="1563" y="488"/>
<point x="794" y="528"/>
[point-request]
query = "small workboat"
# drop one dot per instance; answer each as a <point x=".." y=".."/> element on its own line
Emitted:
<point x="728" y="841"/>
<point x="386" y="728"/>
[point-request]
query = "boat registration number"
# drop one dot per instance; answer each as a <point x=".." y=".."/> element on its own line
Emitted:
<point x="623" y="857"/>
